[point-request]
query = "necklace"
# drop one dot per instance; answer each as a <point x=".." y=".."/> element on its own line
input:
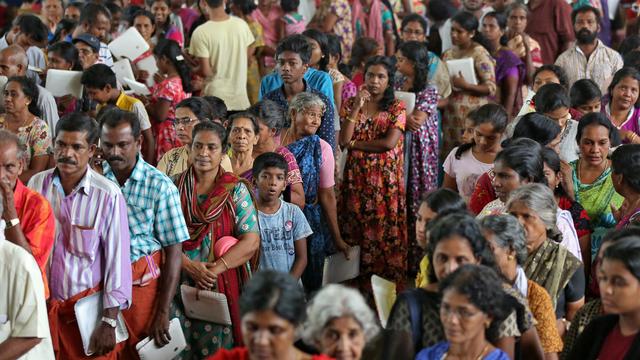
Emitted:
<point x="484" y="350"/>
<point x="579" y="171"/>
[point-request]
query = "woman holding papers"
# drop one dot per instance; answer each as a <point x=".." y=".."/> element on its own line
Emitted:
<point x="21" y="118"/>
<point x="467" y="43"/>
<point x="64" y="56"/>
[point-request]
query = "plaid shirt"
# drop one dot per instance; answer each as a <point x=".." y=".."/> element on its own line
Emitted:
<point x="154" y="210"/>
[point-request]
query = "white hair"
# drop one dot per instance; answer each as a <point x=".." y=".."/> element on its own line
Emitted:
<point x="336" y="301"/>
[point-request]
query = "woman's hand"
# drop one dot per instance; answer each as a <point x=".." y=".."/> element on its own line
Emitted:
<point x="458" y="81"/>
<point x="142" y="76"/>
<point x="201" y="274"/>
<point x="567" y="179"/>
<point x="415" y="121"/>
<point x="361" y="98"/>
<point x="343" y="247"/>
<point x="158" y="78"/>
<point x="618" y="213"/>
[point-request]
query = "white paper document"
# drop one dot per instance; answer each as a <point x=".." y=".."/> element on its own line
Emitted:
<point x="137" y="87"/>
<point x="409" y="100"/>
<point x="123" y="70"/>
<point x="148" y="350"/>
<point x="338" y="269"/>
<point x="89" y="314"/>
<point x="64" y="82"/>
<point x="149" y="65"/>
<point x="384" y="295"/>
<point x="464" y="66"/>
<point x="130" y="44"/>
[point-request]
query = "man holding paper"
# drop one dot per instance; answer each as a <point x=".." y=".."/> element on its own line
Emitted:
<point x="156" y="224"/>
<point x="91" y="246"/>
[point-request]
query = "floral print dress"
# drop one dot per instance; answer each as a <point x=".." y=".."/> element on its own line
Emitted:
<point x="372" y="199"/>
<point x="35" y="136"/>
<point x="169" y="90"/>
<point x="342" y="28"/>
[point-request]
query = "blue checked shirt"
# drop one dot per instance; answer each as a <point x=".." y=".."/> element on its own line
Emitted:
<point x="153" y="209"/>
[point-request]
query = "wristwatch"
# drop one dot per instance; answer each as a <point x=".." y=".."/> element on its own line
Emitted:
<point x="11" y="223"/>
<point x="109" y="321"/>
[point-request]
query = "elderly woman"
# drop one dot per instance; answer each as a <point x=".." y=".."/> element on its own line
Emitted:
<point x="548" y="263"/>
<point x="317" y="166"/>
<point x="272" y="308"/>
<point x="22" y="119"/>
<point x="625" y="163"/>
<point x="243" y="136"/>
<point x="507" y="239"/>
<point x="271" y="120"/>
<point x="189" y="112"/>
<point x="339" y="323"/>
<point x="215" y="204"/>
<point x="472" y="295"/>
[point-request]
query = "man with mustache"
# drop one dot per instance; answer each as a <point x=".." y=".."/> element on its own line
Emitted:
<point x="91" y="244"/>
<point x="590" y="58"/>
<point x="156" y="224"/>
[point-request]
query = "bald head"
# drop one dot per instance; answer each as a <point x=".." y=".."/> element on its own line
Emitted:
<point x="13" y="61"/>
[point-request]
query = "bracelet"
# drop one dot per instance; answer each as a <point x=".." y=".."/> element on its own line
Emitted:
<point x="633" y="137"/>
<point x="224" y="262"/>
<point x="351" y="120"/>
<point x="351" y="144"/>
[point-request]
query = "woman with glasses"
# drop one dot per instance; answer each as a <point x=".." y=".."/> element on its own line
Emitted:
<point x="189" y="112"/>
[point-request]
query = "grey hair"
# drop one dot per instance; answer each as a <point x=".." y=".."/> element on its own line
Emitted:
<point x="539" y="199"/>
<point x="517" y="6"/>
<point x="305" y="100"/>
<point x="7" y="136"/>
<point x="508" y="234"/>
<point x="335" y="301"/>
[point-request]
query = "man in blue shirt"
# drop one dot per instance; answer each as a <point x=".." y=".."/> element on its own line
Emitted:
<point x="292" y="58"/>
<point x="316" y="79"/>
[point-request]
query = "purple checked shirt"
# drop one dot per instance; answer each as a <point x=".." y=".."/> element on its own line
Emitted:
<point x="91" y="245"/>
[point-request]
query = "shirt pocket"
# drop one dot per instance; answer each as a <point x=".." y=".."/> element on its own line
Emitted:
<point x="83" y="241"/>
<point x="140" y="217"/>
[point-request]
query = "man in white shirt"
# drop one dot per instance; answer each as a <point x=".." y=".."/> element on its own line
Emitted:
<point x="24" y="325"/>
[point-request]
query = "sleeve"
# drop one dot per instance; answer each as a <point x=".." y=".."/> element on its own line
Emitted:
<point x="246" y="214"/>
<point x="441" y="79"/>
<point x="428" y="101"/>
<point x="575" y="289"/>
<point x="165" y="91"/>
<point x="509" y="326"/>
<point x="449" y="163"/>
<point x="198" y="46"/>
<point x="170" y="227"/>
<point x="398" y="118"/>
<point x="141" y="112"/>
<point x="327" y="169"/>
<point x="49" y="108"/>
<point x="28" y="313"/>
<point x="338" y="8"/>
<point x="542" y="308"/>
<point x="293" y="170"/>
<point x="483" y="194"/>
<point x="301" y="225"/>
<point x="400" y="317"/>
<point x="347" y="107"/>
<point x="36" y="224"/>
<point x="581" y="220"/>
<point x="258" y="35"/>
<point x="269" y="82"/>
<point x="563" y="23"/>
<point x="116" y="242"/>
<point x="325" y="86"/>
<point x="327" y="129"/>
<point x="485" y="69"/>
<point x="387" y="19"/>
<point x="40" y="139"/>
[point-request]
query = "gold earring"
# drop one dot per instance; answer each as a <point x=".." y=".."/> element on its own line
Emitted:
<point x="510" y="257"/>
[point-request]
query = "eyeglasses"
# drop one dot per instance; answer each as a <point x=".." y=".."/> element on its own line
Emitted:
<point x="184" y="121"/>
<point x="460" y="313"/>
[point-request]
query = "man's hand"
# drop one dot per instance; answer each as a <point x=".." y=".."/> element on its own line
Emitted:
<point x="8" y="204"/>
<point x="160" y="329"/>
<point x="103" y="339"/>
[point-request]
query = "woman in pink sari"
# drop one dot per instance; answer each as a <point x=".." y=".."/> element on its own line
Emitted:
<point x="372" y="18"/>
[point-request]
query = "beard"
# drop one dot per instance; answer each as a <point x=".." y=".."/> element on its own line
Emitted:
<point x="585" y="36"/>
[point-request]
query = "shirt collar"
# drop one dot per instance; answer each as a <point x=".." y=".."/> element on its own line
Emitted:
<point x="137" y="175"/>
<point x="598" y="46"/>
<point x="284" y="95"/>
<point x="83" y="186"/>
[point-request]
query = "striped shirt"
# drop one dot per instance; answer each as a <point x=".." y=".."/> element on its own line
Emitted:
<point x="91" y="244"/>
<point x="600" y="67"/>
<point x="154" y="210"/>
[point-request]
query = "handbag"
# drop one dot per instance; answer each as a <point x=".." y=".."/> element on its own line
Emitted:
<point x="148" y="350"/>
<point x="205" y="305"/>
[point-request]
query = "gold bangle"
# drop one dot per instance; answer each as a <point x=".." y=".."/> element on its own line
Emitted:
<point x="224" y="262"/>
<point x="352" y="144"/>
<point x="351" y="120"/>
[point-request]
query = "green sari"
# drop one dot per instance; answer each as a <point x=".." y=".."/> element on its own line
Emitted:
<point x="596" y="198"/>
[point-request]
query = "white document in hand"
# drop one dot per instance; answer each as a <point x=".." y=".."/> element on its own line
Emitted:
<point x="64" y="82"/>
<point x="464" y="66"/>
<point x="137" y="87"/>
<point x="384" y="295"/>
<point x="409" y="100"/>
<point x="88" y="312"/>
<point x="130" y="44"/>
<point x="148" y="350"/>
<point x="149" y="65"/>
<point x="123" y="70"/>
<point x="338" y="269"/>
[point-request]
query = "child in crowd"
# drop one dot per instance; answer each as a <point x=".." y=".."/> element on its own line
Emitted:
<point x="292" y="22"/>
<point x="283" y="226"/>
<point x="586" y="97"/>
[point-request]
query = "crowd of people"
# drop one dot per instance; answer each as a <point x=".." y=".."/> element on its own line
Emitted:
<point x="501" y="203"/>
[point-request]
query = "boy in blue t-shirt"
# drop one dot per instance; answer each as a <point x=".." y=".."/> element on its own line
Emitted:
<point x="283" y="226"/>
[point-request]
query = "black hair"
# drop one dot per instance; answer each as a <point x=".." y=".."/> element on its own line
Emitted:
<point x="483" y="287"/>
<point x="444" y="201"/>
<point x="130" y="13"/>
<point x="296" y="44"/>
<point x="246" y="6"/>
<point x="218" y="107"/>
<point x="98" y="76"/>
<point x="552" y="160"/>
<point x="269" y="113"/>
<point x="33" y="27"/>
<point x="79" y="122"/>
<point x="493" y="114"/>
<point x="625" y="160"/>
<point x="289" y="5"/>
<point x="162" y="29"/>
<point x="90" y="12"/>
<point x="418" y="54"/>
<point x="145" y="13"/>
<point x="585" y="9"/>
<point x="626" y="251"/>
<point x="114" y="117"/>
<point x="458" y="224"/>
<point x="30" y="90"/>
<point x="389" y="95"/>
<point x="557" y="70"/>
<point x="214" y="3"/>
<point x="323" y="41"/>
<point x="198" y="106"/>
<point x="469" y="22"/>
<point x="501" y="19"/>
<point x="619" y="76"/>
<point x="598" y="119"/>
<point x="113" y="7"/>
<point x="269" y="160"/>
<point x="524" y="156"/>
<point x="413" y="17"/>
<point x="66" y="25"/>
<point x="66" y="51"/>
<point x="583" y="91"/>
<point x="275" y="291"/>
<point x="615" y="235"/>
<point x="551" y="97"/>
<point x="537" y="127"/>
<point x="214" y="127"/>
<point x="170" y="49"/>
<point x="440" y="10"/>
<point x="632" y="59"/>
<point x="629" y="44"/>
<point x="245" y="115"/>
<point x="363" y="48"/>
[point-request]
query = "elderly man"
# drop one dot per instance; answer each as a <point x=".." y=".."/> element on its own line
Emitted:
<point x="27" y="215"/>
<point x="13" y="62"/>
<point x="156" y="224"/>
<point x="91" y="246"/>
